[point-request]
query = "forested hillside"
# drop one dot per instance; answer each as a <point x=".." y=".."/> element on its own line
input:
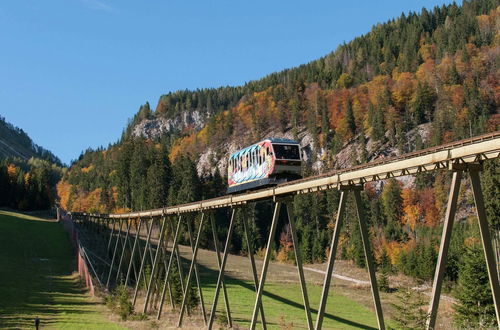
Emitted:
<point x="14" y="142"/>
<point x="28" y="172"/>
<point x="419" y="80"/>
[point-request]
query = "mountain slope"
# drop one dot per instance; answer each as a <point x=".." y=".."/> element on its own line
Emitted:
<point x="15" y="143"/>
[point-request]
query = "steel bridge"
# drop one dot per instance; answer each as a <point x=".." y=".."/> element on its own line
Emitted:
<point x="465" y="156"/>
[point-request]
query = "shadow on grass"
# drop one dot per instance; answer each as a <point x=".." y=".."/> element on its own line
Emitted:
<point x="210" y="279"/>
<point x="36" y="277"/>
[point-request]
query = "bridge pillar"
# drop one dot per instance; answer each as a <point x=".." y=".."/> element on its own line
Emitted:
<point x="367" y="249"/>
<point x="141" y="268"/>
<point x="486" y="240"/>
<point x="167" y="272"/>
<point x="132" y="254"/>
<point x="298" y="261"/>
<point x="265" y="265"/>
<point x="331" y="259"/>
<point x="443" y="248"/>
<point x="114" y="254"/>
<point x="190" y="272"/>
<point x="369" y="257"/>
<point x="123" y="251"/>
<point x="196" y="273"/>
<point x="222" y="267"/>
<point x="155" y="264"/>
<point x="254" y="268"/>
<point x="458" y="169"/>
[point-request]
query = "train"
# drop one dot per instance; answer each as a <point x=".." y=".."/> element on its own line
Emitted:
<point x="269" y="162"/>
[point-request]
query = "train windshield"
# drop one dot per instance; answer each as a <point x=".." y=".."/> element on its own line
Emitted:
<point x="286" y="151"/>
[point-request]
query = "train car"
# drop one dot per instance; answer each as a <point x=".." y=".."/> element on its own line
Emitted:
<point x="268" y="162"/>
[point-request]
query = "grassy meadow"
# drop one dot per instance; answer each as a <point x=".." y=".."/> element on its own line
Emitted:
<point x="36" y="279"/>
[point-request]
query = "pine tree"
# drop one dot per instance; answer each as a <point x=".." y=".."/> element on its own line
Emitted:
<point x="475" y="303"/>
<point x="378" y="126"/>
<point x="362" y="152"/>
<point x="392" y="208"/>
<point x="305" y="246"/>
<point x="351" y="124"/>
<point x="409" y="310"/>
<point x="422" y="106"/>
<point x="383" y="281"/>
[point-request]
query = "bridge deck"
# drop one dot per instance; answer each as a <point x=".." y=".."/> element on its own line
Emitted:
<point x="475" y="149"/>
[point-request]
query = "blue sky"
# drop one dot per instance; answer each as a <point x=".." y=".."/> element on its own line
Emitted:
<point x="73" y="71"/>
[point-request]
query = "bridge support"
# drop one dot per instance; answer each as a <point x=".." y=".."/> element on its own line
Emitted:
<point x="190" y="273"/>
<point x="152" y="279"/>
<point x="118" y="239"/>
<point x="219" y="263"/>
<point x="367" y="250"/>
<point x="196" y="273"/>
<point x="265" y="265"/>
<point x="491" y="263"/>
<point x="132" y="254"/>
<point x="141" y="268"/>
<point x="298" y="261"/>
<point x="123" y="251"/>
<point x="369" y="258"/>
<point x="213" y="311"/>
<point x="169" y="266"/>
<point x="331" y="260"/>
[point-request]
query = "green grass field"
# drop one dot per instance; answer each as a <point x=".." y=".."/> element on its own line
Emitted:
<point x="284" y="306"/>
<point x="36" y="278"/>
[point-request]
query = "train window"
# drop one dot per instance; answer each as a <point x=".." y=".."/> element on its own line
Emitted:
<point x="286" y="151"/>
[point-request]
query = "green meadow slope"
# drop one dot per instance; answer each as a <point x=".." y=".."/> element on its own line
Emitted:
<point x="36" y="278"/>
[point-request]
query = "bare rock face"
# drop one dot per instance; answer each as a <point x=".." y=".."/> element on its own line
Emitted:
<point x="154" y="128"/>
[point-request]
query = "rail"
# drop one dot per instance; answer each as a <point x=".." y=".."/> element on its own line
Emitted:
<point x="470" y="150"/>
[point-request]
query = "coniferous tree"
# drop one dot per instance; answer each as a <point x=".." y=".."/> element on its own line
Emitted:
<point x="351" y="124"/>
<point x="475" y="303"/>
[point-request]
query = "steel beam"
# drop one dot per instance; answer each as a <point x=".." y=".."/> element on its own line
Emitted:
<point x="114" y="254"/>
<point x="196" y="273"/>
<point x="254" y="268"/>
<point x="486" y="240"/>
<point x="175" y="250"/>
<point x="298" y="261"/>
<point x="331" y="260"/>
<point x="143" y="261"/>
<point x="130" y="247"/>
<point x="111" y="235"/>
<point x="369" y="259"/>
<point x="443" y="248"/>
<point x="213" y="311"/>
<point x="132" y="256"/>
<point x="190" y="272"/>
<point x="176" y="236"/>
<point x="123" y="252"/>
<point x="265" y="266"/>
<point x="155" y="264"/>
<point x="224" y="291"/>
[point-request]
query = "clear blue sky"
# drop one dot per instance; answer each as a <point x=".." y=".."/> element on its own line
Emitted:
<point x="73" y="71"/>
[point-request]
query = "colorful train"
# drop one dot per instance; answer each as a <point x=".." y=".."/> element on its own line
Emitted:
<point x="268" y="162"/>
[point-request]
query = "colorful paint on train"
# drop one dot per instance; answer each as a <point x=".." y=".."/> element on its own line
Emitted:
<point x="268" y="162"/>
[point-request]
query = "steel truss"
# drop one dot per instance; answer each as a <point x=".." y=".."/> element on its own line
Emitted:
<point x="146" y="257"/>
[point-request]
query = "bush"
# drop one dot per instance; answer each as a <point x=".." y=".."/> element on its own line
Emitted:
<point x="119" y="302"/>
<point x="383" y="282"/>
